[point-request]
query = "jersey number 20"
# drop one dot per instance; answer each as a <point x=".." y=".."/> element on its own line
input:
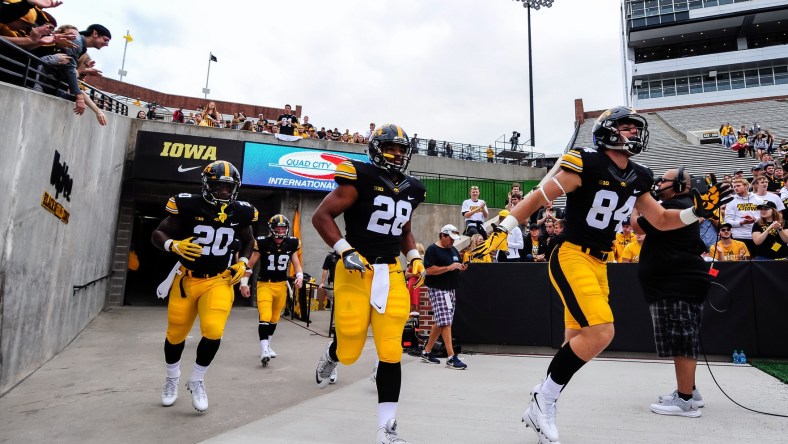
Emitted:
<point x="391" y="216"/>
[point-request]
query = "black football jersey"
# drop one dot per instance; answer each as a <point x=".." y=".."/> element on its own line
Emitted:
<point x="275" y="258"/>
<point x="605" y="198"/>
<point x="214" y="227"/>
<point x="373" y="224"/>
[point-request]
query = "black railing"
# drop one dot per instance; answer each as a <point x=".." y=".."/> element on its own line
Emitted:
<point x="465" y="151"/>
<point x="21" y="68"/>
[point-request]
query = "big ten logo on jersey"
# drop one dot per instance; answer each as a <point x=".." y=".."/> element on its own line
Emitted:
<point x="60" y="179"/>
<point x="391" y="215"/>
<point x="188" y="151"/>
<point x="605" y="209"/>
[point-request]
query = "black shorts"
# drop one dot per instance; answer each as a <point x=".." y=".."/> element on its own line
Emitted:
<point x="676" y="327"/>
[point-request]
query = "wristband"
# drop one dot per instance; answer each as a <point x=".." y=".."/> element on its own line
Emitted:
<point x="688" y="216"/>
<point x="168" y="245"/>
<point x="342" y="246"/>
<point x="413" y="254"/>
<point x="244" y="281"/>
<point x="299" y="275"/>
<point x="244" y="260"/>
<point x="509" y="223"/>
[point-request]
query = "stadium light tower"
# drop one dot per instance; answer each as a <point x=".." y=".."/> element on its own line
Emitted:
<point x="532" y="4"/>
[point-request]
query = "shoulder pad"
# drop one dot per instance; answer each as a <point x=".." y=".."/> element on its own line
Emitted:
<point x="346" y="171"/>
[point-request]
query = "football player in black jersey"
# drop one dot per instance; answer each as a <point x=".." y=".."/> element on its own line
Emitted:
<point x="377" y="200"/>
<point x="602" y="186"/>
<point x="200" y="230"/>
<point x="276" y="251"/>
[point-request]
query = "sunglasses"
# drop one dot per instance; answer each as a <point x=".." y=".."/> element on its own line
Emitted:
<point x="725" y="229"/>
<point x="662" y="180"/>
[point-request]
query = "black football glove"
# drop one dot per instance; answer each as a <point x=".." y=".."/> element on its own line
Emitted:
<point x="704" y="205"/>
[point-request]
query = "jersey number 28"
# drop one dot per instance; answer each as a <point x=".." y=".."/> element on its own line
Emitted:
<point x="391" y="216"/>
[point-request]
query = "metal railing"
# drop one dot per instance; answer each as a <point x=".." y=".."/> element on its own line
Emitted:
<point x="21" y="68"/>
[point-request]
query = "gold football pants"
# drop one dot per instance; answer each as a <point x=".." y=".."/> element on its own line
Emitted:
<point x="271" y="298"/>
<point x="354" y="314"/>
<point x="581" y="281"/>
<point x="211" y="298"/>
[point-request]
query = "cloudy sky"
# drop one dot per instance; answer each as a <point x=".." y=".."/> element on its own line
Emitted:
<point x="452" y="70"/>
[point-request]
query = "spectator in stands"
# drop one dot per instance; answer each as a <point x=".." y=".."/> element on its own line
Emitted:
<point x="177" y="115"/>
<point x="211" y="115"/>
<point x="738" y="174"/>
<point x="469" y="256"/>
<point x="306" y="123"/>
<point x="535" y="248"/>
<point x="449" y="151"/>
<point x="286" y="121"/>
<point x="771" y="241"/>
<point x="760" y="190"/>
<point x="414" y="144"/>
<point x="141" y="115"/>
<point x="514" y="198"/>
<point x="558" y="228"/>
<point x="199" y="121"/>
<point x="490" y="154"/>
<point x="549" y="236"/>
<point x="238" y="119"/>
<point x="514" y="242"/>
<point x="548" y="213"/>
<point x="27" y="26"/>
<point x="336" y="135"/>
<point x="432" y="148"/>
<point x="729" y="249"/>
<point x="727" y="135"/>
<point x="624" y="238"/>
<point x="757" y="171"/>
<point x="248" y="126"/>
<point x="321" y="134"/>
<point x="632" y="250"/>
<point x="742" y="212"/>
<point x="368" y="134"/>
<point x="475" y="212"/>
<point x="760" y="145"/>
<point x="741" y="144"/>
<point x="774" y="184"/>
<point x="769" y="142"/>
<point x="190" y="119"/>
<point x="779" y="177"/>
<point x="152" y="111"/>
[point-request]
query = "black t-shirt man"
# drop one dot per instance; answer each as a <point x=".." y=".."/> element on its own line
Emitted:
<point x="329" y="264"/>
<point x="442" y="257"/>
<point x="286" y="122"/>
<point x="670" y="261"/>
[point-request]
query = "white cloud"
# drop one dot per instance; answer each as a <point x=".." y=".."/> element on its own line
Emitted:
<point x="448" y="69"/>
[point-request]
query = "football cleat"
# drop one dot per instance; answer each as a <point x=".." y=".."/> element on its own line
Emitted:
<point x="388" y="434"/>
<point x="325" y="367"/>
<point x="169" y="393"/>
<point x="199" y="397"/>
<point x="265" y="357"/>
<point x="334" y="376"/>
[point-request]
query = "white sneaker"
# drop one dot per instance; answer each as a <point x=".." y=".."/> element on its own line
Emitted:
<point x="271" y="352"/>
<point x="334" y="376"/>
<point x="199" y="397"/>
<point x="265" y="356"/>
<point x="388" y="434"/>
<point x="540" y="415"/>
<point x="169" y="393"/>
<point x="676" y="407"/>
<point x="697" y="399"/>
<point x="325" y="367"/>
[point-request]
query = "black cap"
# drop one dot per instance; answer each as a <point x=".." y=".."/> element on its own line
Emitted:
<point x="739" y="171"/>
<point x="767" y="204"/>
<point x="626" y="221"/>
<point x="533" y="227"/>
<point x="725" y="225"/>
<point x="756" y="167"/>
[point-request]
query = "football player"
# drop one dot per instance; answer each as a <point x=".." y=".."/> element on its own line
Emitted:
<point x="200" y="231"/>
<point x="602" y="186"/>
<point x="277" y="250"/>
<point x="377" y="200"/>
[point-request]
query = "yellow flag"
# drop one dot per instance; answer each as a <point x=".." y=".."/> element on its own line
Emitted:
<point x="128" y="37"/>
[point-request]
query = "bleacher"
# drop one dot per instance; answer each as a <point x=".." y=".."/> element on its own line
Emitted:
<point x="669" y="148"/>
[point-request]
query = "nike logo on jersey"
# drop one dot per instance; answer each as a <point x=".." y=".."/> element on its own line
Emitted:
<point x="377" y="306"/>
<point x="181" y="169"/>
<point x="232" y="224"/>
<point x="411" y="197"/>
<point x="635" y="191"/>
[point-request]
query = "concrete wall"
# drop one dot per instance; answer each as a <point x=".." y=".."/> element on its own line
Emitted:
<point x="42" y="258"/>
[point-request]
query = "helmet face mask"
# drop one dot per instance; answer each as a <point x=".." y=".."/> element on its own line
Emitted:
<point x="275" y="225"/>
<point x="606" y="132"/>
<point x="383" y="140"/>
<point x="220" y="183"/>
